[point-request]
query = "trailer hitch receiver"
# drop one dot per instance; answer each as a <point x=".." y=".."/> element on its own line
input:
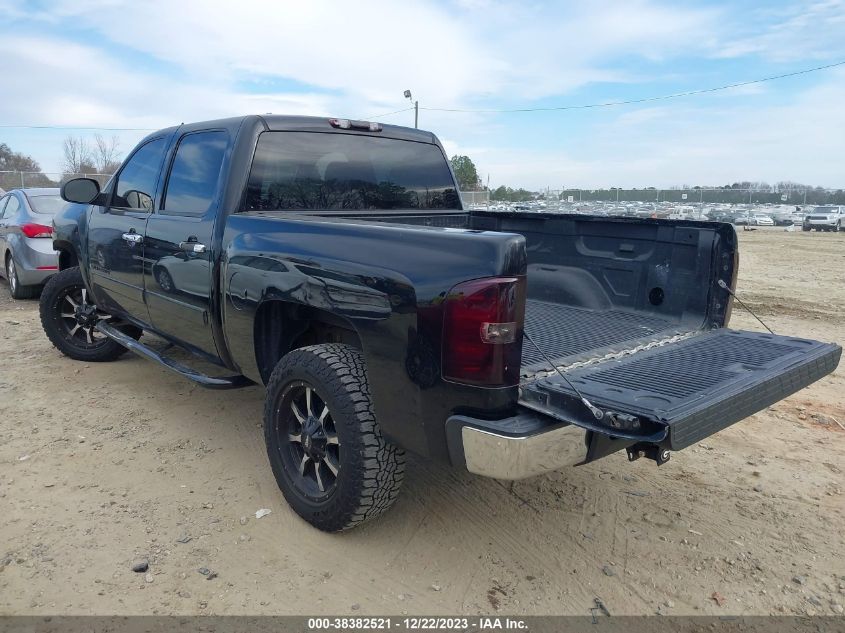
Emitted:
<point x="649" y="451"/>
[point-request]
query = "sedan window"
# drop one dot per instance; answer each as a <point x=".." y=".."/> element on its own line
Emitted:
<point x="48" y="204"/>
<point x="12" y="208"/>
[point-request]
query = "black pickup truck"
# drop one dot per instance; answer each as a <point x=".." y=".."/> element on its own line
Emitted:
<point x="331" y="261"/>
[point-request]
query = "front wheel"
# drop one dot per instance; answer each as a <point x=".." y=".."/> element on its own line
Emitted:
<point x="68" y="317"/>
<point x="333" y="465"/>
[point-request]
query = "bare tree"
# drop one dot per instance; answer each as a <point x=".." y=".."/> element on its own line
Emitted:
<point x="78" y="157"/>
<point x="106" y="154"/>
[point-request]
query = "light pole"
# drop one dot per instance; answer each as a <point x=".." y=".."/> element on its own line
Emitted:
<point x="416" y="108"/>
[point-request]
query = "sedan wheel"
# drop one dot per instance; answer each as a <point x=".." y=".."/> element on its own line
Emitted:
<point x="16" y="289"/>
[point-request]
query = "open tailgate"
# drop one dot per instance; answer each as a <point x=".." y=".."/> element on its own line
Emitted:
<point x="685" y="390"/>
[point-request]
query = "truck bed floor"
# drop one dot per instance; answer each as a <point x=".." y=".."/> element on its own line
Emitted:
<point x="566" y="333"/>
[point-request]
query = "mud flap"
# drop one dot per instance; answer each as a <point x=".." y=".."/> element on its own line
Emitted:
<point x="690" y="388"/>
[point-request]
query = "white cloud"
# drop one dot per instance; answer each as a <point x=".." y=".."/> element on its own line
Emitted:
<point x="799" y="31"/>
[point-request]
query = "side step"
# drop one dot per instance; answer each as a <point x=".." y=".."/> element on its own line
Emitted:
<point x="210" y="382"/>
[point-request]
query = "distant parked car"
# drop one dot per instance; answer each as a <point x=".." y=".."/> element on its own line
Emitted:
<point x="743" y="220"/>
<point x="827" y="218"/>
<point x="785" y="218"/>
<point x="761" y="219"/>
<point x="796" y="217"/>
<point x="26" y="219"/>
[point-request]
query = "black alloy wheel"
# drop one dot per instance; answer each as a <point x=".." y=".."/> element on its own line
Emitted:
<point x="308" y="441"/>
<point x="69" y="318"/>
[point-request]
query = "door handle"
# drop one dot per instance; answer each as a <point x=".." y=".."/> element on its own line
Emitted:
<point x="133" y="238"/>
<point x="192" y="247"/>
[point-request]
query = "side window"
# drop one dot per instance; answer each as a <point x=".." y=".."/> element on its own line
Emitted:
<point x="3" y="202"/>
<point x="11" y="208"/>
<point x="192" y="185"/>
<point x="136" y="182"/>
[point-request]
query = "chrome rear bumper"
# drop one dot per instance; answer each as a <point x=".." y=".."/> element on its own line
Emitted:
<point x="515" y="448"/>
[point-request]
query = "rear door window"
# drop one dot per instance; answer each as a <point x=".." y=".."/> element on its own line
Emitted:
<point x="192" y="185"/>
<point x="323" y="171"/>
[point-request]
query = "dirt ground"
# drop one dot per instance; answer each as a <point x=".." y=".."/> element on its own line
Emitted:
<point x="102" y="464"/>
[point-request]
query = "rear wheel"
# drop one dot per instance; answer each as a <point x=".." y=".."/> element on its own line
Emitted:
<point x="332" y="463"/>
<point x="68" y="317"/>
<point x="16" y="289"/>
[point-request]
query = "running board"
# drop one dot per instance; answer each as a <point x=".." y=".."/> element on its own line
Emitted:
<point x="210" y="382"/>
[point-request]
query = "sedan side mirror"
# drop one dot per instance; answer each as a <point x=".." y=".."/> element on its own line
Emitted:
<point x="80" y="190"/>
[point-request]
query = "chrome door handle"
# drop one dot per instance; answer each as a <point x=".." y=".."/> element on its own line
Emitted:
<point x="192" y="247"/>
<point x="133" y="238"/>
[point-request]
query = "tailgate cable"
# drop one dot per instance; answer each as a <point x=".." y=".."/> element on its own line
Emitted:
<point x="598" y="414"/>
<point x="725" y="286"/>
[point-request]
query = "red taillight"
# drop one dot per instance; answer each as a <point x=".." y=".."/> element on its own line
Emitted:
<point x="482" y="331"/>
<point x="36" y="230"/>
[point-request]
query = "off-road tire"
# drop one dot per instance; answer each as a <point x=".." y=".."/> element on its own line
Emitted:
<point x="16" y="289"/>
<point x="371" y="469"/>
<point x="49" y="308"/>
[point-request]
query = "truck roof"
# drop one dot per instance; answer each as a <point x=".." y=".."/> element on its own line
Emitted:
<point x="290" y="123"/>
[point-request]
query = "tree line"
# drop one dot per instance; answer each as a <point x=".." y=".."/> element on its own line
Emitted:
<point x="79" y="156"/>
<point x="755" y="192"/>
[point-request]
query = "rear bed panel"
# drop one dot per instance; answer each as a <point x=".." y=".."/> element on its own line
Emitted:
<point x="655" y="268"/>
<point x="699" y="385"/>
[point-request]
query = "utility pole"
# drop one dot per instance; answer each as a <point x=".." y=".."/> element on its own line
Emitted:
<point x="416" y="108"/>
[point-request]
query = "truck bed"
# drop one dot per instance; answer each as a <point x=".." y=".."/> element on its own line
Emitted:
<point x="570" y="334"/>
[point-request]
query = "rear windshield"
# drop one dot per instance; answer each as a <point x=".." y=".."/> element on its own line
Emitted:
<point x="49" y="204"/>
<point x="318" y="171"/>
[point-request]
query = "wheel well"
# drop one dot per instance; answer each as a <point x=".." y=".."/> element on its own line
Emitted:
<point x="67" y="259"/>
<point x="281" y="327"/>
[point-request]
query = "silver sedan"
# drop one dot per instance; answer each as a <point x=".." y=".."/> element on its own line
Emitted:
<point x="26" y="244"/>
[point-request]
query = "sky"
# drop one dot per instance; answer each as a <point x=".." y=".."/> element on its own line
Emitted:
<point x="151" y="64"/>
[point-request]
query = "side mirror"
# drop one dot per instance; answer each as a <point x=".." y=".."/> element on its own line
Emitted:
<point x="80" y="190"/>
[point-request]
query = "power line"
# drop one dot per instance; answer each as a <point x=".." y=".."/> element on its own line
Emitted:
<point x="675" y="95"/>
<point x="381" y="116"/>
